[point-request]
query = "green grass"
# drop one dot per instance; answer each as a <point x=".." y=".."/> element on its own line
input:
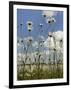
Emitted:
<point x="40" y="73"/>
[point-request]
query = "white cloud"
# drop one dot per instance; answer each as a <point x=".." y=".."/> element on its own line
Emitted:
<point x="49" y="13"/>
<point x="35" y="44"/>
<point x="49" y="42"/>
<point x="41" y="38"/>
<point x="58" y="35"/>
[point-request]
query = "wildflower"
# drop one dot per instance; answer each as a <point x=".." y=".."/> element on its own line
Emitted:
<point x="44" y="15"/>
<point x="30" y="39"/>
<point x="29" y="25"/>
<point x="22" y="41"/>
<point x="50" y="20"/>
<point x="50" y="34"/>
<point x="21" y="24"/>
<point x="54" y="49"/>
<point x="41" y="24"/>
<point x="18" y="43"/>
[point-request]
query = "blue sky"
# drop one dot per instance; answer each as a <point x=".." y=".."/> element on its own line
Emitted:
<point x="24" y="15"/>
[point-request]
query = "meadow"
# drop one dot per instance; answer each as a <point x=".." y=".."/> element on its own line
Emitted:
<point x="40" y="45"/>
<point x="42" y="71"/>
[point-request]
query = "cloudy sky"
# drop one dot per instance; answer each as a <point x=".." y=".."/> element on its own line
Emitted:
<point x="36" y="17"/>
